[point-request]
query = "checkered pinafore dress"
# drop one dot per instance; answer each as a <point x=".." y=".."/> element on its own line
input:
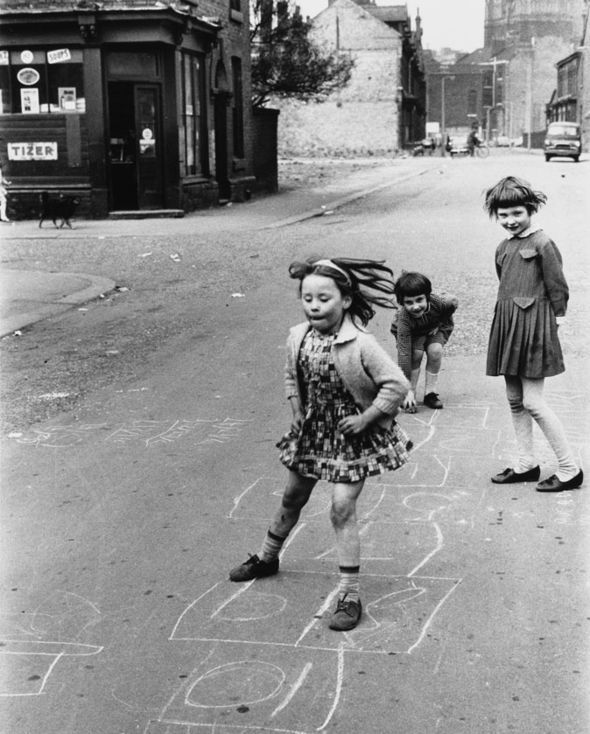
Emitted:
<point x="320" y="450"/>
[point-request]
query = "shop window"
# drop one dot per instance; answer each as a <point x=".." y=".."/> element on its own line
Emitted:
<point x="472" y="102"/>
<point x="33" y="82"/>
<point x="238" y="107"/>
<point x="194" y="126"/>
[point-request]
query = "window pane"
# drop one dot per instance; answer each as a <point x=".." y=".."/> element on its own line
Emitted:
<point x="238" y="114"/>
<point x="30" y="92"/>
<point x="66" y="88"/>
<point x="5" y="99"/>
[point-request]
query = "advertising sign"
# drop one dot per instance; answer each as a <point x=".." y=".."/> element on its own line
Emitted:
<point x="60" y="54"/>
<point x="32" y="151"/>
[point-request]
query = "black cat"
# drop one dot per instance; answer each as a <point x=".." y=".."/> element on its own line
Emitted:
<point x="63" y="207"/>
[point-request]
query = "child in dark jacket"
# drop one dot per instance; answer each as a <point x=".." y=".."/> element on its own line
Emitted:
<point x="423" y="324"/>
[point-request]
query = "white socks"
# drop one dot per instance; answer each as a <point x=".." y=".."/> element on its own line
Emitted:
<point x="431" y="378"/>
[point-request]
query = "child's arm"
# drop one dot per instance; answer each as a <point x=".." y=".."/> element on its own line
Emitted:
<point x="353" y="424"/>
<point x="392" y="387"/>
<point x="555" y="282"/>
<point x="403" y="337"/>
<point x="445" y="305"/>
<point x="297" y="420"/>
<point x="292" y="389"/>
<point x="400" y="328"/>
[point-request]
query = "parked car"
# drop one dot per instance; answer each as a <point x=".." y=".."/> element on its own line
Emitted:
<point x="503" y="141"/>
<point x="563" y="139"/>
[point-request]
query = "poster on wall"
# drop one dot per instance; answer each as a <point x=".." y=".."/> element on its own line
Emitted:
<point x="67" y="98"/>
<point x="29" y="100"/>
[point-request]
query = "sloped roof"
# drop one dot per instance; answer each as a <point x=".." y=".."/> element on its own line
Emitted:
<point x="389" y="13"/>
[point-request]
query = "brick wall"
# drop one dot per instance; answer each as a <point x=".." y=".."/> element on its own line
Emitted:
<point x="363" y="118"/>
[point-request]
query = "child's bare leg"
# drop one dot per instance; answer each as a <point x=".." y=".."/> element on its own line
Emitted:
<point x="434" y="352"/>
<point x="343" y="518"/>
<point x="348" y="546"/>
<point x="295" y="497"/>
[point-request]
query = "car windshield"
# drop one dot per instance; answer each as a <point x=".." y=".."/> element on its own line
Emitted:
<point x="564" y="131"/>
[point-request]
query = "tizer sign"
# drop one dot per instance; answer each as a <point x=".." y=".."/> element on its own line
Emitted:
<point x="32" y="151"/>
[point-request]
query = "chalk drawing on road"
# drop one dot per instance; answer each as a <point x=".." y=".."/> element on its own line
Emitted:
<point x="242" y="694"/>
<point x="30" y="654"/>
<point x="146" y="433"/>
<point x="61" y="437"/>
<point x="253" y="622"/>
<point x="27" y="664"/>
<point x="403" y="519"/>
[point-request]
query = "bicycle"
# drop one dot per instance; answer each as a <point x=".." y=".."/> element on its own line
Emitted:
<point x="482" y="150"/>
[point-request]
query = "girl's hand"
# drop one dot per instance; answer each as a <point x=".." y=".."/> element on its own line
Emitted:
<point x="409" y="404"/>
<point x="352" y="425"/>
<point x="296" y="422"/>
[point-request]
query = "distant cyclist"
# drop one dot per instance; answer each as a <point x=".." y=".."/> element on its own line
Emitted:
<point x="473" y="141"/>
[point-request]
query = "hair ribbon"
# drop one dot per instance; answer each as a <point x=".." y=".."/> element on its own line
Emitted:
<point x="333" y="266"/>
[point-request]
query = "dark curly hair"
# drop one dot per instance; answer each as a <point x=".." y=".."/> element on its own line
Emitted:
<point x="368" y="282"/>
<point x="412" y="284"/>
<point x="512" y="191"/>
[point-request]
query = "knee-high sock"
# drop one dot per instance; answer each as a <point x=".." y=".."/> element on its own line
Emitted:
<point x="431" y="378"/>
<point x="349" y="582"/>
<point x="271" y="547"/>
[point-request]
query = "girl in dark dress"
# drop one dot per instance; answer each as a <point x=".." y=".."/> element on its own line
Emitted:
<point x="524" y="344"/>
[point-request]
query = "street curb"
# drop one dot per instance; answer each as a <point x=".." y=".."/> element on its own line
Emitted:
<point x="99" y="286"/>
<point x="342" y="201"/>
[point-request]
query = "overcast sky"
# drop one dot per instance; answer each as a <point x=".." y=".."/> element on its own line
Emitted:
<point x="457" y="24"/>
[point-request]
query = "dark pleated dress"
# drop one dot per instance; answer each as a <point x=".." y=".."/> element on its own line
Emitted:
<point x="533" y="291"/>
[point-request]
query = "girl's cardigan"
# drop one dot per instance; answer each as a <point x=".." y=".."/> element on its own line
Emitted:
<point x="369" y="374"/>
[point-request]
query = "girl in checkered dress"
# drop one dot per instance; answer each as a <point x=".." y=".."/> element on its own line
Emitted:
<point x="344" y="391"/>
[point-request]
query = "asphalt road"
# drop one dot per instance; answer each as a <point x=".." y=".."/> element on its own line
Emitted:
<point x="126" y="503"/>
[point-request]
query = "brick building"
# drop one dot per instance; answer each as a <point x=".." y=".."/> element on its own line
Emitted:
<point x="570" y="100"/>
<point x="383" y="105"/>
<point x="529" y="37"/>
<point x="459" y="94"/>
<point x="128" y="104"/>
<point x="506" y="84"/>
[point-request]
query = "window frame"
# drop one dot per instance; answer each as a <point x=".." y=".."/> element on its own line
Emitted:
<point x="46" y="85"/>
<point x="193" y="114"/>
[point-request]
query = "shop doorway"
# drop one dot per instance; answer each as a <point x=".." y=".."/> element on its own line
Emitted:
<point x="135" y="146"/>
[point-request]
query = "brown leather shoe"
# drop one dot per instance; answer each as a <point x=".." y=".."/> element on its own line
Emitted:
<point x="509" y="476"/>
<point x="553" y="484"/>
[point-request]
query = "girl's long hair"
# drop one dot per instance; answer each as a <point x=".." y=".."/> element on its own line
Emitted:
<point x="368" y="282"/>
<point x="512" y="191"/>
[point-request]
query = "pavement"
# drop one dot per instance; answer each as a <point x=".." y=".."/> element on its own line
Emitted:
<point x="475" y="597"/>
<point x="29" y="296"/>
